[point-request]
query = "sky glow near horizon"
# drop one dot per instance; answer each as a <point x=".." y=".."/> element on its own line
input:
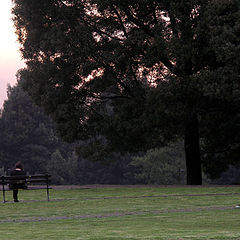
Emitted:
<point x="10" y="57"/>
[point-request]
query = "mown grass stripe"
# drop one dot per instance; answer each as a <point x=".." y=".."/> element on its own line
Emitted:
<point x="118" y="214"/>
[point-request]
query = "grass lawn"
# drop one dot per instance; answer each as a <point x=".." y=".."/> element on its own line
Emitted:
<point x="174" y="213"/>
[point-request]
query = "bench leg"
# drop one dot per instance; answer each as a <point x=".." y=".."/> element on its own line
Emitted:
<point x="48" y="194"/>
<point x="4" y="200"/>
<point x="3" y="188"/>
<point x="48" y="191"/>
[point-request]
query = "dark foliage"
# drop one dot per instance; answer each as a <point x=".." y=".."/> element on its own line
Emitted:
<point x="140" y="73"/>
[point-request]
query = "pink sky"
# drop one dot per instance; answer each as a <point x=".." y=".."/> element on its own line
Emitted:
<point x="10" y="59"/>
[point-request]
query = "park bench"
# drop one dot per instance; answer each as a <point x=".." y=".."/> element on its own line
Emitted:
<point x="28" y="182"/>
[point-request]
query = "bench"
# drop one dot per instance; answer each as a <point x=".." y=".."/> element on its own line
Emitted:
<point x="28" y="182"/>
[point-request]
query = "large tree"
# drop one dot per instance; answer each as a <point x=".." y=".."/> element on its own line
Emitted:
<point x="139" y="72"/>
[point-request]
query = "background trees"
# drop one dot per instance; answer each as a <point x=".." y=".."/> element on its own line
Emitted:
<point x="28" y="135"/>
<point x="140" y="73"/>
<point x="156" y="166"/>
<point x="162" y="166"/>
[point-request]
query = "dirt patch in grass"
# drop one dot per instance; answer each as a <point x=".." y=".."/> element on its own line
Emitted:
<point x="137" y="186"/>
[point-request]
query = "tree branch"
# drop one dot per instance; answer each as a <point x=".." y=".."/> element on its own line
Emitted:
<point x="89" y="24"/>
<point x="120" y="20"/>
<point x="136" y="21"/>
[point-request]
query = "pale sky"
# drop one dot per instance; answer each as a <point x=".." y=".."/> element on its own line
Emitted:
<point x="10" y="57"/>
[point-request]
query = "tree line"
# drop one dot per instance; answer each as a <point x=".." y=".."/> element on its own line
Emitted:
<point x="28" y="135"/>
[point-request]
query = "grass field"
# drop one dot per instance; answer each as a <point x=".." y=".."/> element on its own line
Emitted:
<point x="174" y="213"/>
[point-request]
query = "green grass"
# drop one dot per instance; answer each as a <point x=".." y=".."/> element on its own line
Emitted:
<point x="21" y="220"/>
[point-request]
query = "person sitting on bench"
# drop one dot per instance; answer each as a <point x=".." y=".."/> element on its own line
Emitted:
<point x="17" y="171"/>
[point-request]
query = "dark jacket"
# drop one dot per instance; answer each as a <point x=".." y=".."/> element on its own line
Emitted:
<point x="18" y="183"/>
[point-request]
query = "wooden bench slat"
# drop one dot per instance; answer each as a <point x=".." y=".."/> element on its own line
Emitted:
<point x="34" y="181"/>
<point x="26" y="176"/>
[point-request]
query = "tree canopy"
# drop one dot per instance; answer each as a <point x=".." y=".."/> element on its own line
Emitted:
<point x="138" y="72"/>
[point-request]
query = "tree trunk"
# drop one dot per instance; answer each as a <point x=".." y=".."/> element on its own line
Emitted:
<point x="192" y="150"/>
